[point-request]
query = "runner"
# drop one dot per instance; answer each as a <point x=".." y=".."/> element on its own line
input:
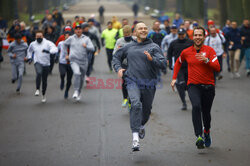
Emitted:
<point x="17" y="52"/>
<point x="202" y="63"/>
<point x="144" y="60"/>
<point x="216" y="40"/>
<point x="41" y="50"/>
<point x="109" y="36"/>
<point x="127" y="32"/>
<point x="64" y="65"/>
<point x="79" y="45"/>
<point x="174" y="52"/>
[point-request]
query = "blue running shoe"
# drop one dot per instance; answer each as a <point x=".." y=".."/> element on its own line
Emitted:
<point x="200" y="143"/>
<point x="208" y="139"/>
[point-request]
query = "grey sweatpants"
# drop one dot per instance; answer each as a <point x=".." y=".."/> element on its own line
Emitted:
<point x="79" y="71"/>
<point x="141" y="104"/>
<point x="17" y="72"/>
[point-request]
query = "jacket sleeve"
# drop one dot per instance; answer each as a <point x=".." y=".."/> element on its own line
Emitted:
<point x="213" y="61"/>
<point x="170" y="54"/>
<point x="178" y="64"/>
<point x="158" y="58"/>
<point x="30" y="51"/>
<point x="52" y="48"/>
<point x="10" y="50"/>
<point x="90" y="46"/>
<point x="118" y="57"/>
<point x="68" y="41"/>
<point x="163" y="44"/>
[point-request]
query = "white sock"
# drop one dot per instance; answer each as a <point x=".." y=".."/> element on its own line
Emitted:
<point x="136" y="136"/>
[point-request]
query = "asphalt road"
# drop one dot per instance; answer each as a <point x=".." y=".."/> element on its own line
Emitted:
<point x="96" y="130"/>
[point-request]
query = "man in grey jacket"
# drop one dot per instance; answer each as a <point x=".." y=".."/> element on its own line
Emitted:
<point x="80" y="45"/>
<point x="17" y="52"/>
<point x="145" y="58"/>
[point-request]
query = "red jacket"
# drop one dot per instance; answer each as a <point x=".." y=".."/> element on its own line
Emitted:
<point x="199" y="72"/>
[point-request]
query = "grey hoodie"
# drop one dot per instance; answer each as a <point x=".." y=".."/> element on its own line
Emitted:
<point x="19" y="49"/>
<point x="139" y="67"/>
<point x="78" y="53"/>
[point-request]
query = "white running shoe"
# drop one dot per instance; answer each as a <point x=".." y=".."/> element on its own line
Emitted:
<point x="43" y="99"/>
<point x="75" y="95"/>
<point x="232" y="75"/>
<point x="37" y="92"/>
<point x="237" y="75"/>
<point x="78" y="98"/>
<point x="135" y="146"/>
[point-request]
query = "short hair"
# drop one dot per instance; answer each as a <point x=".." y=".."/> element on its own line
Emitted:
<point x="124" y="19"/>
<point x="156" y="21"/>
<point x="127" y="29"/>
<point x="138" y="23"/>
<point x="200" y="28"/>
<point x="39" y="31"/>
<point x="109" y="22"/>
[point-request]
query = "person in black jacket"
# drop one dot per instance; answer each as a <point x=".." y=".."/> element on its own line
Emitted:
<point x="57" y="16"/>
<point x="174" y="51"/>
<point x="91" y="56"/>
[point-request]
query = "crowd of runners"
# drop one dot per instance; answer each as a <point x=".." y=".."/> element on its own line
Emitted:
<point x="138" y="54"/>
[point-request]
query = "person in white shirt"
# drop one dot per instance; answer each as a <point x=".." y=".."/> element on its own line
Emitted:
<point x="216" y="41"/>
<point x="39" y="51"/>
<point x="64" y="65"/>
<point x="80" y="46"/>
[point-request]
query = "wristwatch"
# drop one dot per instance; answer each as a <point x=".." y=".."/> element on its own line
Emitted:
<point x="207" y="60"/>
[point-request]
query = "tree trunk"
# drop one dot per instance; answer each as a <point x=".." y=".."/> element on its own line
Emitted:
<point x="223" y="11"/>
<point x="235" y="10"/>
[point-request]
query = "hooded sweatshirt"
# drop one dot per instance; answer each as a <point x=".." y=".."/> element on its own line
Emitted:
<point x="78" y="53"/>
<point x="139" y="67"/>
<point x="19" y="49"/>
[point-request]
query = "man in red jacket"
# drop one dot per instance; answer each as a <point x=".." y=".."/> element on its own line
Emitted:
<point x="202" y="63"/>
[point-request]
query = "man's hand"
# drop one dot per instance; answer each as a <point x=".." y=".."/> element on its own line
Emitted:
<point x="201" y="57"/>
<point x="84" y="45"/>
<point x="224" y="55"/>
<point x="148" y="56"/>
<point x="67" y="57"/>
<point x="120" y="73"/>
<point x="173" y="84"/>
<point x="14" y="56"/>
<point x="25" y="59"/>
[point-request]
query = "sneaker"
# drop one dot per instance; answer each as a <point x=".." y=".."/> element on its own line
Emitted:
<point x="129" y="107"/>
<point x="66" y="94"/>
<point x="78" y="98"/>
<point x="237" y="75"/>
<point x="248" y="73"/>
<point x="135" y="146"/>
<point x="18" y="91"/>
<point x="87" y="79"/>
<point x="220" y="77"/>
<point x="43" y="99"/>
<point x="200" y="143"/>
<point x="184" y="107"/>
<point x="13" y="81"/>
<point x="62" y="85"/>
<point x="142" y="132"/>
<point x="208" y="139"/>
<point x="75" y="95"/>
<point x="124" y="103"/>
<point x="37" y="93"/>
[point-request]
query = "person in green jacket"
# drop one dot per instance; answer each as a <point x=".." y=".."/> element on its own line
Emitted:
<point x="108" y="35"/>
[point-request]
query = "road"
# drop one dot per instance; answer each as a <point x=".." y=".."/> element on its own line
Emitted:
<point x="95" y="131"/>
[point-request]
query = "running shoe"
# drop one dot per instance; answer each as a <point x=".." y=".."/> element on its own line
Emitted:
<point x="18" y="91"/>
<point x="78" y="98"/>
<point x="184" y="107"/>
<point x="200" y="143"/>
<point x="208" y="139"/>
<point x="220" y="77"/>
<point x="43" y="99"/>
<point x="124" y="103"/>
<point x="237" y="75"/>
<point x="37" y="92"/>
<point x="142" y="132"/>
<point x="135" y="146"/>
<point x="87" y="79"/>
<point x="75" y="95"/>
<point x="129" y="107"/>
